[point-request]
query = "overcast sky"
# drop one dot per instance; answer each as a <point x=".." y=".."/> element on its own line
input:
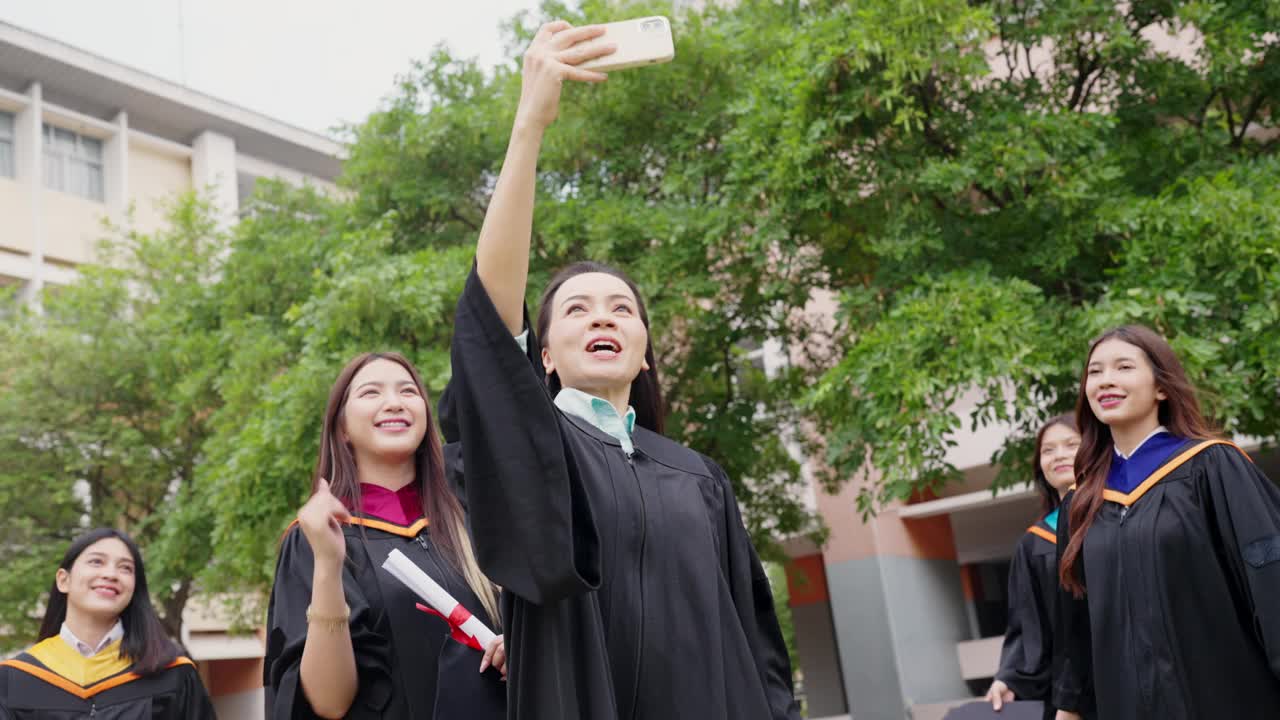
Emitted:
<point x="312" y="63"/>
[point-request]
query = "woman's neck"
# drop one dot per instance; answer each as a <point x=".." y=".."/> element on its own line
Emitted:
<point x="391" y="474"/>
<point x="88" y="627"/>
<point x="1126" y="437"/>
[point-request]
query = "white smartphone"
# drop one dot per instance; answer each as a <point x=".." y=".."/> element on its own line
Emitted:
<point x="642" y="41"/>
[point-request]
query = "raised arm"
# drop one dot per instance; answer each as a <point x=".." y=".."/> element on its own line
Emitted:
<point x="502" y="253"/>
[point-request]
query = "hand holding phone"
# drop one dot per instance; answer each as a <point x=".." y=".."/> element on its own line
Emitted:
<point x="639" y="42"/>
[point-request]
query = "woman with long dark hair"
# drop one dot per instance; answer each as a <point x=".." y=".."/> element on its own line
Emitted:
<point x="631" y="588"/>
<point x="1026" y="661"/>
<point x="344" y="637"/>
<point x="1170" y="552"/>
<point x="102" y="651"/>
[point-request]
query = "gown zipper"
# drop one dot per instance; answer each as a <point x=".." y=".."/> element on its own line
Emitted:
<point x="644" y="532"/>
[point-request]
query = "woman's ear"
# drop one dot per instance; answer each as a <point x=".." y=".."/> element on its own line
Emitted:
<point x="63" y="580"/>
<point x="548" y="365"/>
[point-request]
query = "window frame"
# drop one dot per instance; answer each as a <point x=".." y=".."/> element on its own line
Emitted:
<point x="8" y="136"/>
<point x="80" y="171"/>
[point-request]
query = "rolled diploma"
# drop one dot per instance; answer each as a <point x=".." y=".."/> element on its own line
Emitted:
<point x="407" y="572"/>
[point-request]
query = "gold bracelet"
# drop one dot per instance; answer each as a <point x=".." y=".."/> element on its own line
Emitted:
<point x="331" y="623"/>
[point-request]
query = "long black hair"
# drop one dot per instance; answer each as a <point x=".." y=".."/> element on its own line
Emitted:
<point x="145" y="643"/>
<point x="646" y="391"/>
<point x="1179" y="412"/>
<point x="1049" y="498"/>
<point x="337" y="464"/>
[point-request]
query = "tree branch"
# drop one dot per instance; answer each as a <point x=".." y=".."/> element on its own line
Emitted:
<point x="173" y="607"/>
<point x="1204" y="109"/>
<point x="1247" y="119"/>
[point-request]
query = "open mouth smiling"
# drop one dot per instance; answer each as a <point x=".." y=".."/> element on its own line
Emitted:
<point x="603" y="347"/>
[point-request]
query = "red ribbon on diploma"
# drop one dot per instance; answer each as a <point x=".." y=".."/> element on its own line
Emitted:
<point x="455" y="620"/>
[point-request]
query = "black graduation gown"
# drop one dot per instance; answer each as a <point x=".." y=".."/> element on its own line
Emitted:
<point x="1181" y="620"/>
<point x="31" y="690"/>
<point x="631" y="588"/>
<point x="408" y="665"/>
<point x="1026" y="661"/>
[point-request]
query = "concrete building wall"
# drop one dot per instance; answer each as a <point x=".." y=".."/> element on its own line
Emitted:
<point x="897" y="608"/>
<point x="247" y="705"/>
<point x="73" y="227"/>
<point x="17" y="231"/>
<point x="819" y="660"/>
<point x="816" y="646"/>
<point x="927" y="616"/>
<point x="865" y="640"/>
<point x="155" y="177"/>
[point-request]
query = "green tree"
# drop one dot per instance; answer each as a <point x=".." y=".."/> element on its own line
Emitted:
<point x="631" y="175"/>
<point x="997" y="182"/>
<point x="104" y="400"/>
<point x="982" y="186"/>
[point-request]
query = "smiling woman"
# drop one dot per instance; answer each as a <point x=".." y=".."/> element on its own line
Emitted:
<point x="631" y="588"/>
<point x="102" y="652"/>
<point x="1176" y="617"/>
<point x="346" y="639"/>
<point x="1026" y="659"/>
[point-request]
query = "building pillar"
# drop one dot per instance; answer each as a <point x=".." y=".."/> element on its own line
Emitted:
<point x="116" y="168"/>
<point x="897" y="606"/>
<point x="213" y="173"/>
<point x="28" y="155"/>
<point x="819" y="660"/>
<point x="925" y="598"/>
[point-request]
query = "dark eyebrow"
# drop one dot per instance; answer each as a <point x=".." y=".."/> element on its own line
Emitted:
<point x="615" y="296"/>
<point x="105" y="556"/>
<point x="399" y="383"/>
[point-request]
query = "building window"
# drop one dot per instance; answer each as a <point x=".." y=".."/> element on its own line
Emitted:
<point x="6" y="144"/>
<point x="73" y="163"/>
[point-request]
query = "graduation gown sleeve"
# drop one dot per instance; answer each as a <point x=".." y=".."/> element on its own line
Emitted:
<point x="753" y="598"/>
<point x="531" y="522"/>
<point x="287" y="634"/>
<point x="1244" y="513"/>
<point x="192" y="699"/>
<point x="1073" y="651"/>
<point x="1026" y="660"/>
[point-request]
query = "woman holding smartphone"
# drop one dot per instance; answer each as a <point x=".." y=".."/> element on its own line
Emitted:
<point x="102" y="652"/>
<point x="1169" y="552"/>
<point x="1026" y="661"/>
<point x="344" y="637"/>
<point x="631" y="588"/>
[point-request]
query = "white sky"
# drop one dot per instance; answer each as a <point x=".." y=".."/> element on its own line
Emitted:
<point x="312" y="63"/>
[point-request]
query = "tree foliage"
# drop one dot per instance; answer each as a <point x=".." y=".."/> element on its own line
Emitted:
<point x="104" y="410"/>
<point x="980" y="185"/>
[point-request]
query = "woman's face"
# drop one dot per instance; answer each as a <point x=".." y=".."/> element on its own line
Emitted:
<point x="596" y="340"/>
<point x="1058" y="448"/>
<point x="101" y="580"/>
<point x="1120" y="385"/>
<point x="385" y="414"/>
